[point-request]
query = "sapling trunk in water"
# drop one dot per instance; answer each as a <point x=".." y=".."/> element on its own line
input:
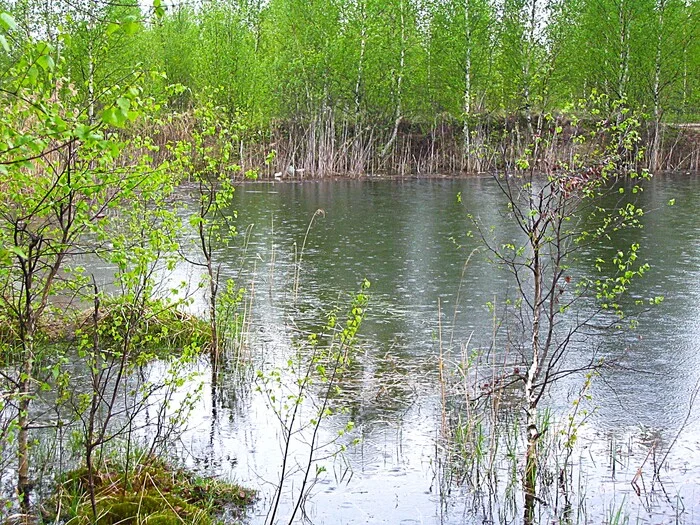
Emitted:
<point x="27" y="331"/>
<point x="212" y="273"/>
<point x="553" y="211"/>
<point x="208" y="161"/>
<point x="24" y="487"/>
<point x="532" y="373"/>
<point x="94" y="400"/>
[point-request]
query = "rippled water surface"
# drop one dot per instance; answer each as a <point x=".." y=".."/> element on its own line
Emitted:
<point x="411" y="240"/>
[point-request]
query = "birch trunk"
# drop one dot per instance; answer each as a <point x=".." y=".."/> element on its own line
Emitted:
<point x="24" y="485"/>
<point x="529" y="66"/>
<point x="399" y="83"/>
<point x="467" y="86"/>
<point x="358" y="150"/>
<point x="533" y="435"/>
<point x="656" y="144"/>
<point x="623" y="65"/>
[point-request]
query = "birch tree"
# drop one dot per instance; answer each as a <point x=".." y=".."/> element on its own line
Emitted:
<point x="551" y="310"/>
<point x="461" y="62"/>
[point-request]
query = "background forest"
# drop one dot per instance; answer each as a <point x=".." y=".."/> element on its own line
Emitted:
<point x="404" y="86"/>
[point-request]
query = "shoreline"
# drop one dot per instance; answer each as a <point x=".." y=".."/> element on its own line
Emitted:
<point x="411" y="177"/>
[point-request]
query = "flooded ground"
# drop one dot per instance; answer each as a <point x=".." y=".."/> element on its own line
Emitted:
<point x="411" y="240"/>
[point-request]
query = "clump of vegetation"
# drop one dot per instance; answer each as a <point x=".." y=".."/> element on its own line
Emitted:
<point x="155" y="329"/>
<point x="152" y="327"/>
<point x="152" y="492"/>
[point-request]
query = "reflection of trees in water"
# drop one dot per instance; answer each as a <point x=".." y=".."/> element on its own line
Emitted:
<point x="391" y="373"/>
<point x="384" y="383"/>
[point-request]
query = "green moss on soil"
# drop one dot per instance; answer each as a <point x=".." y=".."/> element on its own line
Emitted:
<point x="154" y="327"/>
<point x="157" y="329"/>
<point x="154" y="493"/>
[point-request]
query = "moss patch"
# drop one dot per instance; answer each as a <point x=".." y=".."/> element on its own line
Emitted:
<point x="148" y="507"/>
<point x="156" y="328"/>
<point x="152" y="493"/>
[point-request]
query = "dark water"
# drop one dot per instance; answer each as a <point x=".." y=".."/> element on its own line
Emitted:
<point x="411" y="240"/>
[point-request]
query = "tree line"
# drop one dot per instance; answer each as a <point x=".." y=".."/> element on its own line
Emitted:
<point x="400" y="85"/>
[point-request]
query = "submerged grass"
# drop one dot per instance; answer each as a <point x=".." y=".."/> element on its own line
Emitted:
<point x="482" y="443"/>
<point x="151" y="492"/>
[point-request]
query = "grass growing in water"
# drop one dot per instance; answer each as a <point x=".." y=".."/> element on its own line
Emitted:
<point x="156" y="327"/>
<point x="153" y="326"/>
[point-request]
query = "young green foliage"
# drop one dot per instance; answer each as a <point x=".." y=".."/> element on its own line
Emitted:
<point x="68" y="179"/>
<point x="301" y="396"/>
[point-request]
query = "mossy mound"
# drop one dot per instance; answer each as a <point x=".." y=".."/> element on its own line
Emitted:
<point x="145" y="508"/>
<point x="152" y="493"/>
<point x="156" y="328"/>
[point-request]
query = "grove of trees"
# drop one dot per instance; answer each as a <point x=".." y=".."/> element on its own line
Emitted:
<point x="393" y="85"/>
<point x="109" y="105"/>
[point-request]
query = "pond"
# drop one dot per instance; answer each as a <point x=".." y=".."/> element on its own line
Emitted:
<point x="411" y="239"/>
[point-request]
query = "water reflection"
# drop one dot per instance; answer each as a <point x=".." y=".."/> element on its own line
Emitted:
<point x="411" y="240"/>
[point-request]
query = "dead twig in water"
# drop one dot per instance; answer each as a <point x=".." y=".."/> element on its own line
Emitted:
<point x="638" y="474"/>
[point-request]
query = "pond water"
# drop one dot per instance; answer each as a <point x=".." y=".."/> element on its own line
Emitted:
<point x="411" y="239"/>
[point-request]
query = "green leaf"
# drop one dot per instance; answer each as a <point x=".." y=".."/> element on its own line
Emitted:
<point x="32" y="75"/>
<point x="82" y="131"/>
<point x="7" y="21"/>
<point x="131" y="27"/>
<point x="113" y="117"/>
<point x="3" y="43"/>
<point x="18" y="252"/>
<point x="44" y="48"/>
<point x="45" y="62"/>
<point x="124" y="104"/>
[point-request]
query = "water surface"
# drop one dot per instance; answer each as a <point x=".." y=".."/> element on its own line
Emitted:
<point x="411" y="239"/>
